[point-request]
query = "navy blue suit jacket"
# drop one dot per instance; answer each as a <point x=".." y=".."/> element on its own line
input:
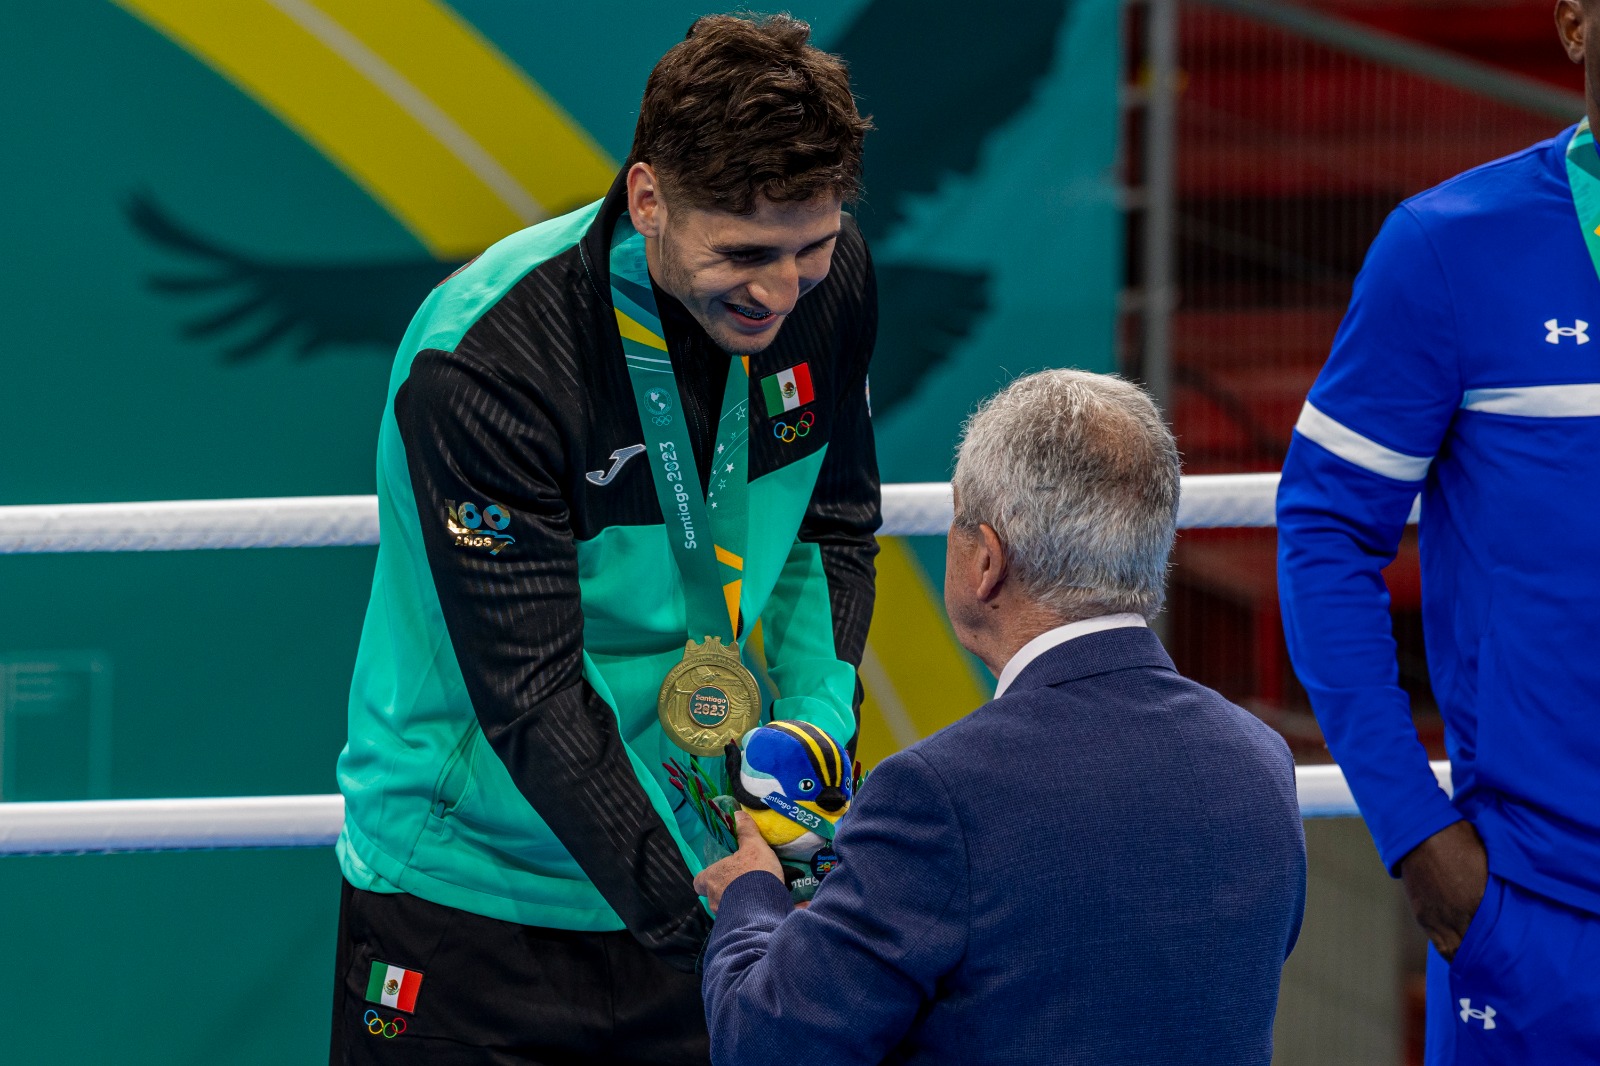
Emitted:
<point x="1105" y="865"/>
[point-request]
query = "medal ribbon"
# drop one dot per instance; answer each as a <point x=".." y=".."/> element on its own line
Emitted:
<point x="707" y="535"/>
<point x="799" y="815"/>
<point x="1583" y="177"/>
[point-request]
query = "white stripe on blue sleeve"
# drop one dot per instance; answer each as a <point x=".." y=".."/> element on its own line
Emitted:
<point x="1364" y="452"/>
<point x="1536" y="401"/>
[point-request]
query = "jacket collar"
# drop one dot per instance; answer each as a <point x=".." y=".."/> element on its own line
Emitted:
<point x="595" y="248"/>
<point x="1096" y="653"/>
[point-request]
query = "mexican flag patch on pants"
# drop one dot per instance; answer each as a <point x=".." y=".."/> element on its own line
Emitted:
<point x="393" y="986"/>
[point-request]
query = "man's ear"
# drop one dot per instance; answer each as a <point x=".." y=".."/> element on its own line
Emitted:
<point x="991" y="564"/>
<point x="644" y="201"/>
<point x="1570" y="26"/>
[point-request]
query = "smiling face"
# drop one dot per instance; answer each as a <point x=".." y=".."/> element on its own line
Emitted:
<point x="740" y="276"/>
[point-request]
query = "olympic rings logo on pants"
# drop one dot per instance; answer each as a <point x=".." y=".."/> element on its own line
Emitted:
<point x="378" y="1027"/>
<point x="789" y="434"/>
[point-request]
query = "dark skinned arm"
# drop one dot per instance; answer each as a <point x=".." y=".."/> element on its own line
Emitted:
<point x="1445" y="878"/>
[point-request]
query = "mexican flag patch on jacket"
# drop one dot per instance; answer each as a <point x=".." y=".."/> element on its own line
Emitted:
<point x="393" y="986"/>
<point x="788" y="389"/>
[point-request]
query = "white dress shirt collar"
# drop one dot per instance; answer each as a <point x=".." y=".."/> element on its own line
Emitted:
<point x="1060" y="635"/>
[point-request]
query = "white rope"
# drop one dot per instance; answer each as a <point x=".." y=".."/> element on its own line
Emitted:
<point x="181" y="525"/>
<point x="91" y="826"/>
<point x="333" y="521"/>
<point x="95" y="826"/>
<point x="1209" y="501"/>
<point x="918" y="509"/>
<point x="1323" y="791"/>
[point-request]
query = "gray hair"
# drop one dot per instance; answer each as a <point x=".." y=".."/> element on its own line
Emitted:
<point x="1078" y="475"/>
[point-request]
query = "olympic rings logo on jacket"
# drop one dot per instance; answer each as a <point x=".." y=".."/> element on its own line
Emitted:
<point x="789" y="434"/>
<point x="378" y="1027"/>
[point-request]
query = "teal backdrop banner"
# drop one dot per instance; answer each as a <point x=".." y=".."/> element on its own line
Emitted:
<point x="218" y="219"/>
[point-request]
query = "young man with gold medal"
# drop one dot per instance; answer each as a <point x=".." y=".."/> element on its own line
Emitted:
<point x="597" y="518"/>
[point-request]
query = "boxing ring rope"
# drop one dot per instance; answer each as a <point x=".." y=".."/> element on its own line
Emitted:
<point x="96" y="826"/>
<point x="341" y="521"/>
<point x="91" y="826"/>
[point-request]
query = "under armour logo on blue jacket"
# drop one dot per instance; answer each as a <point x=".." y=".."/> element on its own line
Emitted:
<point x="1579" y="331"/>
<point x="1486" y="1015"/>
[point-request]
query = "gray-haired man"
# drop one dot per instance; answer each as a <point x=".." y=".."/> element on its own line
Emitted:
<point x="1103" y="864"/>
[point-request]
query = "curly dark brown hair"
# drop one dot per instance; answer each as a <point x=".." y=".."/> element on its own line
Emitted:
<point x="744" y="107"/>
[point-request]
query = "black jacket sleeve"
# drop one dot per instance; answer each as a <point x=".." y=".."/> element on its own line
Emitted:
<point x="515" y="621"/>
<point x="846" y="507"/>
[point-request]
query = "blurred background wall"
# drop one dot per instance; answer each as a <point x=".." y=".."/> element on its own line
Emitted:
<point x="218" y="217"/>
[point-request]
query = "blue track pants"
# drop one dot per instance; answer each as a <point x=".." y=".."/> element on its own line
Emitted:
<point x="1523" y="989"/>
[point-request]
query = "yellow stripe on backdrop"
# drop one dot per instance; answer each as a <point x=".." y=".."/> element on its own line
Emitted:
<point x="916" y="677"/>
<point x="492" y="98"/>
<point x="393" y="94"/>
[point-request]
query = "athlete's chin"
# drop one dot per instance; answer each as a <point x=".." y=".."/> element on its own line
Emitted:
<point x="738" y="342"/>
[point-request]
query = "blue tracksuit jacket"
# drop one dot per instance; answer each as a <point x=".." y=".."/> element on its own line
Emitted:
<point x="1465" y="371"/>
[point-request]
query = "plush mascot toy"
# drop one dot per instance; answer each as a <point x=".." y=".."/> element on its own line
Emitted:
<point x="794" y="781"/>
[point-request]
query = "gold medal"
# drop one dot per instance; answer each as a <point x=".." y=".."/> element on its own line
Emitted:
<point x="708" y="699"/>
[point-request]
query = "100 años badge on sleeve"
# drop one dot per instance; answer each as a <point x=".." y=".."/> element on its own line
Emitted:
<point x="708" y="699"/>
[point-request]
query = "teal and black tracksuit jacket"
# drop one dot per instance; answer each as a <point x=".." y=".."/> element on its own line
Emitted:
<point x="505" y="756"/>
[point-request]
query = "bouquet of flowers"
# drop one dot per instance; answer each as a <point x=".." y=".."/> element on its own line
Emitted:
<point x="710" y="797"/>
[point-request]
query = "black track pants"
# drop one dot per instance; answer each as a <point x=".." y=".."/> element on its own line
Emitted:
<point x="498" y="993"/>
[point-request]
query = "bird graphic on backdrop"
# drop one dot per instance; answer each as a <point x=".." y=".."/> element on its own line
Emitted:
<point x="929" y="129"/>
